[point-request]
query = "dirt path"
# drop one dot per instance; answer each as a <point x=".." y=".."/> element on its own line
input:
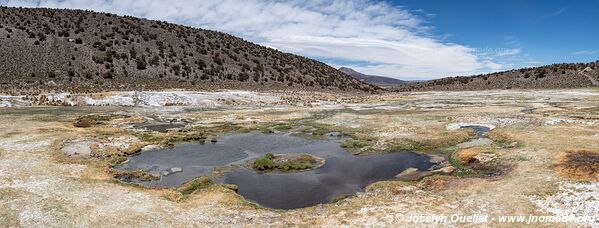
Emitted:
<point x="593" y="80"/>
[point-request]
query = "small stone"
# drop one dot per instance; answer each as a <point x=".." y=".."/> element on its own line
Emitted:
<point x="231" y="187"/>
<point x="512" y="145"/>
<point x="485" y="157"/>
<point x="335" y="134"/>
<point x="150" y="147"/>
<point x="176" y="170"/>
<point x="406" y="172"/>
<point x="436" y="159"/>
<point x="447" y="169"/>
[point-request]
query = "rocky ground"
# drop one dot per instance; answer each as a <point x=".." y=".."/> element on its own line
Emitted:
<point x="530" y="166"/>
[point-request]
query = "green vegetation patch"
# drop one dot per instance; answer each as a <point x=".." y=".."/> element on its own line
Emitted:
<point x="286" y="162"/>
<point x="301" y="162"/>
<point x="264" y="163"/>
<point x="198" y="183"/>
<point x="90" y="120"/>
<point x="355" y="144"/>
<point x="266" y="130"/>
<point x="504" y="140"/>
<point x="444" y="142"/>
<point x="461" y="170"/>
<point x="137" y="175"/>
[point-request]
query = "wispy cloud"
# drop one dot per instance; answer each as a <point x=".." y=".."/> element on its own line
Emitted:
<point x="388" y="39"/>
<point x="586" y="52"/>
<point x="556" y="13"/>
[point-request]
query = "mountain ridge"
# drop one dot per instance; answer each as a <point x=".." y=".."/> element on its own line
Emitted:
<point x="554" y="76"/>
<point x="376" y="80"/>
<point x="84" y="51"/>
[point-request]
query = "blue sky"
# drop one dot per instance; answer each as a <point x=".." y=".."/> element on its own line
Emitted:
<point x="545" y="31"/>
<point x="411" y="39"/>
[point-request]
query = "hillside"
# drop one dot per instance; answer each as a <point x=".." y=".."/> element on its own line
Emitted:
<point x="84" y="51"/>
<point x="556" y="76"/>
<point x="380" y="81"/>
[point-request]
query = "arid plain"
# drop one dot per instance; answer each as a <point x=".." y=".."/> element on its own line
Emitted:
<point x="539" y="158"/>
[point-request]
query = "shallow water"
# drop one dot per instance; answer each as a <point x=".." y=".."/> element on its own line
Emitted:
<point x="481" y="131"/>
<point x="158" y="127"/>
<point x="342" y="173"/>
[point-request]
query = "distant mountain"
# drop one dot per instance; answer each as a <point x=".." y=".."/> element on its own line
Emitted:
<point x="556" y="76"/>
<point x="84" y="51"/>
<point x="380" y="81"/>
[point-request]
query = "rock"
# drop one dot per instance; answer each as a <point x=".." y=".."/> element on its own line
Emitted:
<point x="5" y="104"/>
<point x="512" y="145"/>
<point x="51" y="83"/>
<point x="194" y="185"/>
<point x="171" y="170"/>
<point x="407" y="172"/>
<point x="150" y="147"/>
<point x="447" y="169"/>
<point x="230" y="186"/>
<point x="175" y="170"/>
<point x="436" y="159"/>
<point x="335" y="134"/>
<point x="475" y="143"/>
<point x="485" y="157"/>
<point x="470" y="155"/>
<point x="412" y="174"/>
<point x="79" y="149"/>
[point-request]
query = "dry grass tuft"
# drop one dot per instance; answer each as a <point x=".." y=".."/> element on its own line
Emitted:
<point x="466" y="156"/>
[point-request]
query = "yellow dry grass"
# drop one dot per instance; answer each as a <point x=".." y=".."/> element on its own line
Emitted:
<point x="466" y="156"/>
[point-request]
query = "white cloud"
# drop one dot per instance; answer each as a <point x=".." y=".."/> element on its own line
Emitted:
<point x="509" y="52"/>
<point x="555" y="13"/>
<point x="384" y="39"/>
<point x="586" y="52"/>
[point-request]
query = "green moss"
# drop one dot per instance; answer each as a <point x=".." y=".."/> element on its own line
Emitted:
<point x="269" y="162"/>
<point x="114" y="160"/>
<point x="146" y="136"/>
<point x="191" y="136"/>
<point x="295" y="165"/>
<point x="100" y="118"/>
<point x="245" y="130"/>
<point x="460" y="169"/>
<point x="269" y="156"/>
<point x="317" y="131"/>
<point x="281" y="127"/>
<point x="141" y="175"/>
<point x="353" y="144"/>
<point x="94" y="119"/>
<point x="266" y="130"/>
<point x="194" y="185"/>
<point x="404" y="145"/>
<point x="264" y="163"/>
<point x="504" y="140"/>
